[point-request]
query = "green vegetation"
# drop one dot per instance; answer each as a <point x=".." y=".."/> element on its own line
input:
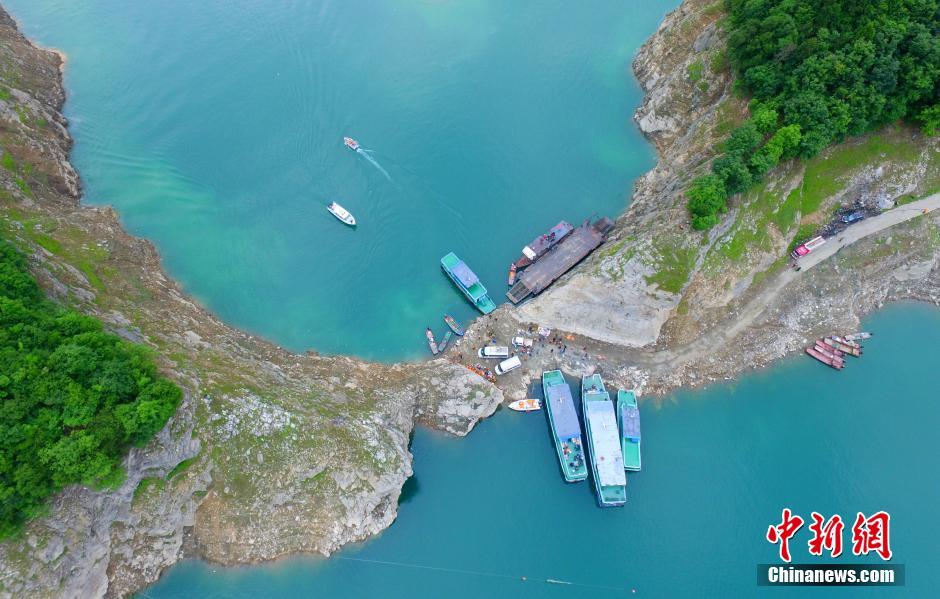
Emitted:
<point x="819" y="72"/>
<point x="74" y="397"/>
<point x="695" y="71"/>
<point x="673" y="267"/>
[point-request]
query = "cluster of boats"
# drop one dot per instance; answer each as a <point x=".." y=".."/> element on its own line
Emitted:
<point x="612" y="432"/>
<point x="455" y="329"/>
<point x="832" y="350"/>
<point x="538" y="248"/>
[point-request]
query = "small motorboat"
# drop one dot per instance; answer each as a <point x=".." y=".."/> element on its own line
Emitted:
<point x="454" y="325"/>
<point x="351" y="143"/>
<point x="341" y="213"/>
<point x="512" y="273"/>
<point x="431" y="343"/>
<point x="444" y="341"/>
<point x="526" y="405"/>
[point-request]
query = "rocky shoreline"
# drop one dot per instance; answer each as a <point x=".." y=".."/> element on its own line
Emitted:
<point x="274" y="453"/>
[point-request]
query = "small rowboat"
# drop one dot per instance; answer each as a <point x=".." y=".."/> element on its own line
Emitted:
<point x="351" y="143"/>
<point x="512" y="273"/>
<point x="454" y="325"/>
<point x="342" y="214"/>
<point x="431" y="343"/>
<point x="444" y="341"/>
<point x="526" y="405"/>
<point x="858" y="336"/>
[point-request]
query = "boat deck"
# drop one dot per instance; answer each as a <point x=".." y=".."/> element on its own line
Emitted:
<point x="562" y="258"/>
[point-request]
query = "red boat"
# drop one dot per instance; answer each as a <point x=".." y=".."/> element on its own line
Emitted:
<point x="824" y="358"/>
<point x="831" y="353"/>
<point x="351" y="143"/>
<point x="824" y="348"/>
<point x="512" y="273"/>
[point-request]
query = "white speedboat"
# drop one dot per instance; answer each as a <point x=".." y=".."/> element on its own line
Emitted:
<point x="526" y="405"/>
<point x="342" y="214"/>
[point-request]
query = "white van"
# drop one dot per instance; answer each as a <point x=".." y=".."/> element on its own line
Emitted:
<point x="507" y="365"/>
<point x="494" y="352"/>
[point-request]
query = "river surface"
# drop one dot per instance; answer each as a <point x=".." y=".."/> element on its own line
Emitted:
<point x="719" y="465"/>
<point x="215" y="128"/>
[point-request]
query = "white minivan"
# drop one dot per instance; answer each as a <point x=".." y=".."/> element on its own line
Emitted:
<point x="494" y="352"/>
<point x="507" y="365"/>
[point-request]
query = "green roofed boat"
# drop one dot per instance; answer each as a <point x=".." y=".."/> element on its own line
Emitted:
<point x="600" y="423"/>
<point x="566" y="430"/>
<point x="628" y="417"/>
<point x="468" y="282"/>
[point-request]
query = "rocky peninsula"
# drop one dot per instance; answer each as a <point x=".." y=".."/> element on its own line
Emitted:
<point x="274" y="453"/>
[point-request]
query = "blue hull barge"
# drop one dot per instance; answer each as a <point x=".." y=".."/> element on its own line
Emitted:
<point x="566" y="430"/>
<point x="467" y="281"/>
<point x="600" y="423"/>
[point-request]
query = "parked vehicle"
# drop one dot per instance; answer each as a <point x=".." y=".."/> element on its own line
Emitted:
<point x="807" y="247"/>
<point x="852" y="217"/>
<point x="494" y="352"/>
<point x="507" y="365"/>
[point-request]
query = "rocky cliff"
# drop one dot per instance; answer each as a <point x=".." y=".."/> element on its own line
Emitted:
<point x="274" y="452"/>
<point x="271" y="453"/>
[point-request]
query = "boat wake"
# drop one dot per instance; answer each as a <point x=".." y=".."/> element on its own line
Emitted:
<point x="365" y="154"/>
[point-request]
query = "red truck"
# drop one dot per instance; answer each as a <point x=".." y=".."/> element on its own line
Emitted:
<point x="807" y="247"/>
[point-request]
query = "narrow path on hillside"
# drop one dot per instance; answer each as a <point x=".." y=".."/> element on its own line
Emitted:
<point x="750" y="312"/>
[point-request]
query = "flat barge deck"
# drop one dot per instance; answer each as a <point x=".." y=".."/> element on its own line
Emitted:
<point x="560" y="259"/>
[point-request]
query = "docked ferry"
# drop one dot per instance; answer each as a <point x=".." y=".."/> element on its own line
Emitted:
<point x="541" y="244"/>
<point x="600" y="424"/>
<point x="468" y="282"/>
<point x="566" y="430"/>
<point x="628" y="417"/>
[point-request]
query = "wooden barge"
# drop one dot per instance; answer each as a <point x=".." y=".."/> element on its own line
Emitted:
<point x="563" y="256"/>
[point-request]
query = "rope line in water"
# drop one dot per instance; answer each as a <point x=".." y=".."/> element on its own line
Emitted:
<point x="479" y="573"/>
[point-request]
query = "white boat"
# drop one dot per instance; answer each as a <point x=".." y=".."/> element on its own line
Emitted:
<point x="342" y="214"/>
<point x="526" y="405"/>
<point x="858" y="336"/>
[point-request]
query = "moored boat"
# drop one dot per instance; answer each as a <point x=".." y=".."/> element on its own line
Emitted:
<point x="512" y="273"/>
<point x="812" y="351"/>
<point x="541" y="244"/>
<point x="831" y="353"/>
<point x="429" y="335"/>
<point x="468" y="283"/>
<point x="566" y="430"/>
<point x="351" y="143"/>
<point x="628" y="418"/>
<point x="858" y="336"/>
<point x="854" y="344"/>
<point x="525" y="405"/>
<point x="444" y="341"/>
<point x="845" y="348"/>
<point x="454" y="325"/>
<point x="827" y="349"/>
<point x="341" y="213"/>
<point x="600" y="424"/>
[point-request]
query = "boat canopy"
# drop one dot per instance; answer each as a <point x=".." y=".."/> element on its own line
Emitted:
<point x="560" y="230"/>
<point x="605" y="442"/>
<point x="529" y="253"/>
<point x="631" y="422"/>
<point x="564" y="416"/>
<point x="463" y="273"/>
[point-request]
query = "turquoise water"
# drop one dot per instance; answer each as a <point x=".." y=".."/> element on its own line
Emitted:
<point x="718" y="467"/>
<point x="216" y="127"/>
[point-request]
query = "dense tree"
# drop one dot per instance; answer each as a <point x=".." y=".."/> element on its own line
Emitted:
<point x="818" y="71"/>
<point x="73" y="398"/>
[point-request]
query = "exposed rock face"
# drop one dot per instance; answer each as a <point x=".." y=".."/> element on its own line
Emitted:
<point x="271" y="453"/>
<point x="274" y="453"/>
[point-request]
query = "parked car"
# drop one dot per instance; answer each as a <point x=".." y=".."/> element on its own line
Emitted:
<point x="507" y="365"/>
<point x="852" y="217"/>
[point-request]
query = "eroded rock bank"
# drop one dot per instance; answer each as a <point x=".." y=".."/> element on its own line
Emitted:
<point x="271" y="452"/>
<point x="274" y="453"/>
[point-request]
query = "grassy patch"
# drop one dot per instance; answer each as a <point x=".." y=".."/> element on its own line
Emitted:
<point x="181" y="467"/>
<point x="824" y="174"/>
<point x="694" y="71"/>
<point x="673" y="267"/>
<point x="150" y="482"/>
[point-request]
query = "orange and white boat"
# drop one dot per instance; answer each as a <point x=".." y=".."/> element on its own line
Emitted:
<point x="526" y="405"/>
<point x="351" y="143"/>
